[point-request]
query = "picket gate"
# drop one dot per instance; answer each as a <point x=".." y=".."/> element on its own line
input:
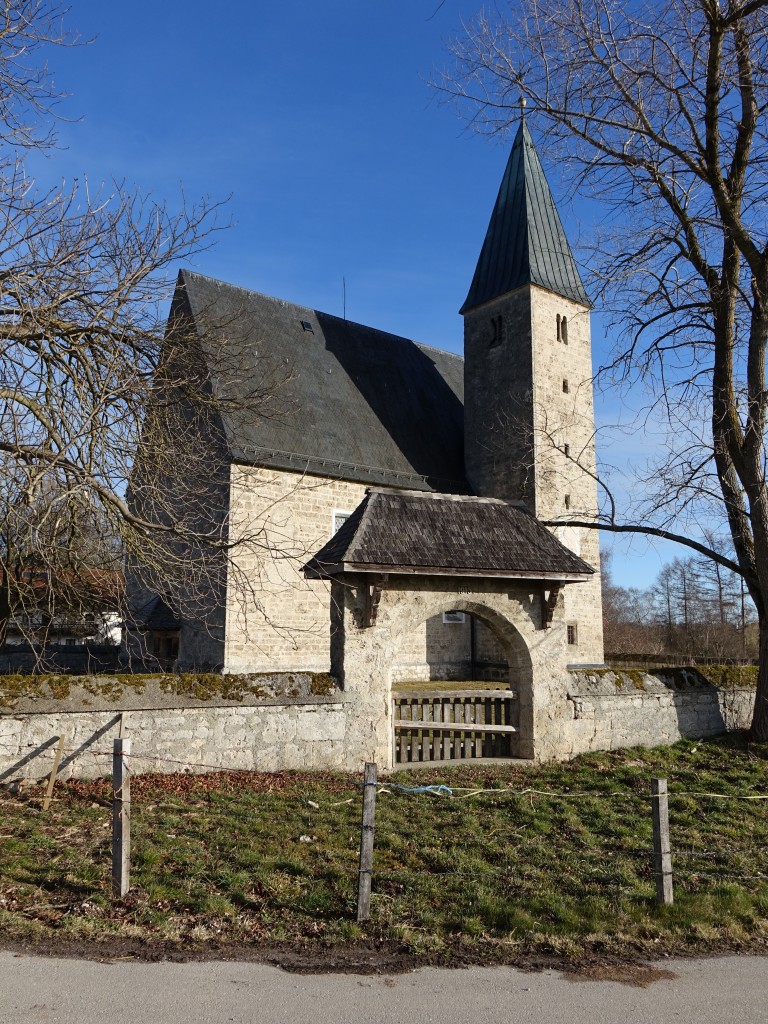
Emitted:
<point x="452" y="725"/>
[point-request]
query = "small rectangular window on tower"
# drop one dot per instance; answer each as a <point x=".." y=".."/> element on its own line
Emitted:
<point x="573" y="636"/>
<point x="565" y="386"/>
<point x="567" y="501"/>
<point x="567" y="451"/>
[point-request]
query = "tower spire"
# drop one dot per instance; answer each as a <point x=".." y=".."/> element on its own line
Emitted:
<point x="525" y="242"/>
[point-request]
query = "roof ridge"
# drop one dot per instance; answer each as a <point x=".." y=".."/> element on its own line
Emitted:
<point x="363" y="525"/>
<point x="321" y="312"/>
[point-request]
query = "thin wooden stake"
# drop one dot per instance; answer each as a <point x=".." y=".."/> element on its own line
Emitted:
<point x="54" y="773"/>
<point x="121" y="818"/>
<point x="366" y="843"/>
<point x="662" y="854"/>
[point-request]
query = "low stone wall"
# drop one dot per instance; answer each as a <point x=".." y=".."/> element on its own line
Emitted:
<point x="259" y="723"/>
<point x="628" y="708"/>
<point x="300" y="721"/>
<point x="270" y="738"/>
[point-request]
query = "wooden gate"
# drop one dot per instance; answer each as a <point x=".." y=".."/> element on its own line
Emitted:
<point x="453" y="725"/>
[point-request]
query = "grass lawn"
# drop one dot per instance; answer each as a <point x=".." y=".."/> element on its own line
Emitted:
<point x="225" y="861"/>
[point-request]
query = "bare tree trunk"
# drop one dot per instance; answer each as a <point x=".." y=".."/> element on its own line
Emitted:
<point x="759" y="729"/>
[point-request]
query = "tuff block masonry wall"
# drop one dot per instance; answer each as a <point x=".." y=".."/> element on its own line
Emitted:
<point x="593" y="711"/>
<point x="529" y="428"/>
<point x="259" y="723"/>
<point x="608" y="710"/>
<point x="279" y="621"/>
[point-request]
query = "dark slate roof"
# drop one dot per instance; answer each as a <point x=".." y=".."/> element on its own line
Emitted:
<point x="525" y="242"/>
<point x="347" y="400"/>
<point x="408" y="531"/>
<point x="154" y="615"/>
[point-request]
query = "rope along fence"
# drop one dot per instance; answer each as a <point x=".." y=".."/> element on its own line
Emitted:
<point x="690" y="862"/>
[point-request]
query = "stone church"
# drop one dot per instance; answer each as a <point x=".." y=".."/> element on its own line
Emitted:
<point x="400" y="491"/>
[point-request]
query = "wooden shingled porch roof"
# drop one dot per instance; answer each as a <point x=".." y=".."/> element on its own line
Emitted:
<point x="413" y="532"/>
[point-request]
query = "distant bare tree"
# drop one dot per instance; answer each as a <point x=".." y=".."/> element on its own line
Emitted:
<point x="662" y="112"/>
<point x="630" y="625"/>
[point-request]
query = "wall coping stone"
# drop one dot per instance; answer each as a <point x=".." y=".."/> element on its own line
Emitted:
<point x="29" y="695"/>
<point x="629" y="682"/>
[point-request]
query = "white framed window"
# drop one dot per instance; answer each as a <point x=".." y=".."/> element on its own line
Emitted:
<point x="340" y="516"/>
<point x="453" y="617"/>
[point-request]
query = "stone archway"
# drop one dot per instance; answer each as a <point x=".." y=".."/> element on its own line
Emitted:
<point x="371" y="613"/>
<point x="519" y="667"/>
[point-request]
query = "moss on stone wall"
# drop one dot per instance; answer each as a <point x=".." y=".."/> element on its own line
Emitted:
<point x="724" y="677"/>
<point x="205" y="686"/>
<point x="730" y="677"/>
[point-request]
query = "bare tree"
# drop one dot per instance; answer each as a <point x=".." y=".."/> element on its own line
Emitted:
<point x="630" y="626"/>
<point x="661" y="110"/>
<point x="693" y="609"/>
<point x="88" y="373"/>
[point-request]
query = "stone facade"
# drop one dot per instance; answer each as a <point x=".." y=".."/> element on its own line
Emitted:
<point x="529" y="428"/>
<point x="437" y="649"/>
<point x="276" y="620"/>
<point x="364" y="656"/>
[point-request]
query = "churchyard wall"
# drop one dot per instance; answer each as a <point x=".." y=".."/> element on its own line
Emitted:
<point x="340" y="730"/>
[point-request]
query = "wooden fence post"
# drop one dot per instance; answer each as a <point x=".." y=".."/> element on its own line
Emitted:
<point x="121" y="818"/>
<point x="366" y="843"/>
<point x="54" y="773"/>
<point x="662" y="854"/>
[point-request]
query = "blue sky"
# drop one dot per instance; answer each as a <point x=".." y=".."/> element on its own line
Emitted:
<point x="340" y="161"/>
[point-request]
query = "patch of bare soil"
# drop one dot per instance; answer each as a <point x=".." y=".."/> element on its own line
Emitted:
<point x="354" y="958"/>
<point x="633" y="967"/>
<point x="637" y="975"/>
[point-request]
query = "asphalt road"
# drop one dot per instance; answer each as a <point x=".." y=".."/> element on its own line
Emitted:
<point x="44" y="991"/>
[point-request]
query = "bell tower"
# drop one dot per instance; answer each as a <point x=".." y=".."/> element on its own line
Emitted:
<point x="528" y="406"/>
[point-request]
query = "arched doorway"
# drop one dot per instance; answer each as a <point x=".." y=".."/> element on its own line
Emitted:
<point x="461" y="685"/>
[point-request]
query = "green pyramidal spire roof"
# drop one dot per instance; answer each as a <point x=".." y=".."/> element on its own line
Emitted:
<point x="525" y="242"/>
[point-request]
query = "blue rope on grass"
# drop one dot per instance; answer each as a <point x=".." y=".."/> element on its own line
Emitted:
<point x="420" y="789"/>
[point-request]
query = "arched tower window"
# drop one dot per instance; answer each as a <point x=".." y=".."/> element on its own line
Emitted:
<point x="559" y="328"/>
<point x="564" y="329"/>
